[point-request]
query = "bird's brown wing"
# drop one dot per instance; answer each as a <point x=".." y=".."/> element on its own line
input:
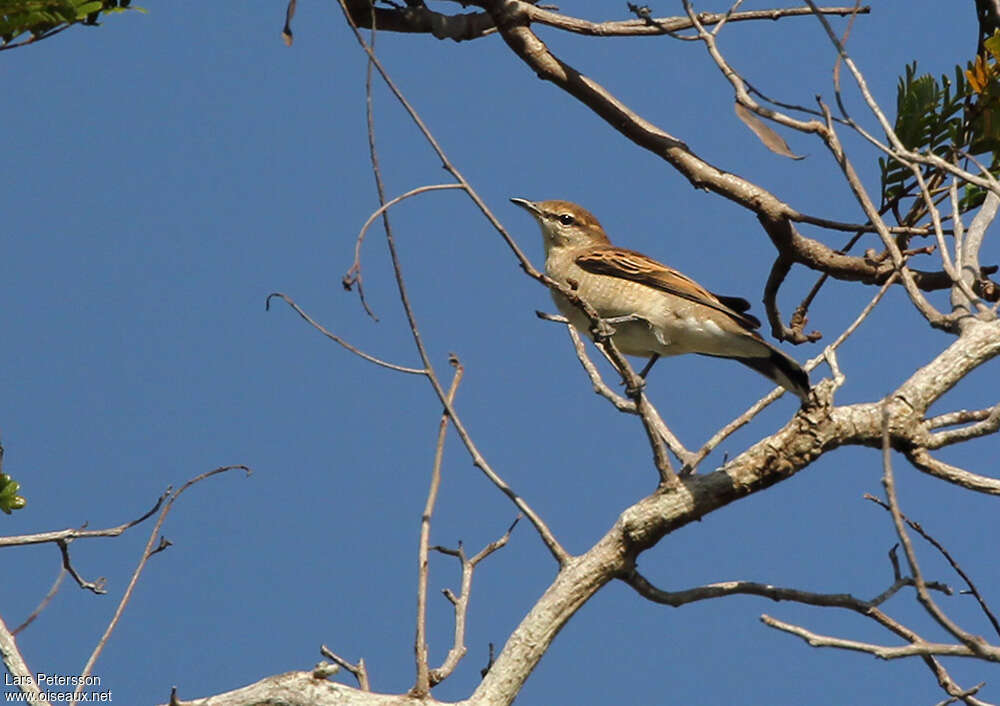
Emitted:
<point x="634" y="266"/>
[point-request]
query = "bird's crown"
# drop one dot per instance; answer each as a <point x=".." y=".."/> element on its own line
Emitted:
<point x="564" y="222"/>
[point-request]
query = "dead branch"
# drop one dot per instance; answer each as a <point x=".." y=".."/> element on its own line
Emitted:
<point x="423" y="683"/>
<point x="460" y="602"/>
<point x="359" y="670"/>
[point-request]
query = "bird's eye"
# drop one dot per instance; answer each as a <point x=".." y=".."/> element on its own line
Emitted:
<point x="566" y="219"/>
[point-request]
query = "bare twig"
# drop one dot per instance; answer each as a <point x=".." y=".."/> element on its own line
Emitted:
<point x="127" y="596"/>
<point x="755" y="409"/>
<point x="634" y="387"/>
<point x="776" y="593"/>
<point x="922" y="459"/>
<point x="44" y="602"/>
<point x="973" y="643"/>
<point x="354" y="273"/>
<point x="620" y="403"/>
<point x="94" y="586"/>
<point x="555" y="548"/>
<point x="881" y="651"/>
<point x="895" y="148"/>
<point x="36" y="37"/>
<point x="81" y="533"/>
<point x="986" y="424"/>
<point x="63" y="538"/>
<point x="962" y="416"/>
<point x="663" y="25"/>
<point x="779" y="270"/>
<point x="960" y="282"/>
<point x="743" y="97"/>
<point x="359" y="670"/>
<point x="460" y="602"/>
<point x="832" y="142"/>
<point x="944" y="552"/>
<point x="337" y="339"/>
<point x="422" y="686"/>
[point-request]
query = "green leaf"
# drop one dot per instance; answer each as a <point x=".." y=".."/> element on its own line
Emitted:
<point x="9" y="499"/>
<point x="88" y="8"/>
<point x="993" y="45"/>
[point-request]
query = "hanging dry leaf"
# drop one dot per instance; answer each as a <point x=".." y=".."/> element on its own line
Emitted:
<point x="772" y="140"/>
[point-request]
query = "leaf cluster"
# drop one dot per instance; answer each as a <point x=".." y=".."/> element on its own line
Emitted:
<point x="41" y="18"/>
<point x="953" y="118"/>
<point x="9" y="499"/>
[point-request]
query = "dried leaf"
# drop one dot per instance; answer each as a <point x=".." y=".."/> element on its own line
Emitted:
<point x="772" y="140"/>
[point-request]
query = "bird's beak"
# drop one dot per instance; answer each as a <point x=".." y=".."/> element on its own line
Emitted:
<point x="528" y="206"/>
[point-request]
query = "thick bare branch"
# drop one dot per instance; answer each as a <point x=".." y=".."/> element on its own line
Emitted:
<point x="420" y="19"/>
<point x="17" y="667"/>
<point x="298" y="689"/>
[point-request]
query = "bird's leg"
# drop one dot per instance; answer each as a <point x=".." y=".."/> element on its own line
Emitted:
<point x="649" y="366"/>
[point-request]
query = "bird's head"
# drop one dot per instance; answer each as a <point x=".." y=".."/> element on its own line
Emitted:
<point x="564" y="224"/>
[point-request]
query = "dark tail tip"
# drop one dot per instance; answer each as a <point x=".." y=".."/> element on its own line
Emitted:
<point x="782" y="370"/>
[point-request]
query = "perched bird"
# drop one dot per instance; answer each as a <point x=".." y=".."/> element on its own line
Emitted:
<point x="657" y="311"/>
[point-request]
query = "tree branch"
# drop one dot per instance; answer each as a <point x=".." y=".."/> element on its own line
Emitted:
<point x="423" y="683"/>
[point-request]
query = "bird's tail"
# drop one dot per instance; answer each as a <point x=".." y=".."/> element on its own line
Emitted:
<point x="781" y="369"/>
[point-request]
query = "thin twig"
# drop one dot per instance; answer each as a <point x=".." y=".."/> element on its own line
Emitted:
<point x="460" y="602"/>
<point x="81" y="533"/>
<point x="881" y="651"/>
<point x="897" y="150"/>
<point x="944" y="552"/>
<point x="922" y="459"/>
<point x="44" y="602"/>
<point x="974" y="643"/>
<point x="723" y="433"/>
<point x="37" y="37"/>
<point x="359" y="670"/>
<point x="149" y="550"/>
<point x="67" y="565"/>
<point x="548" y="538"/>
<point x="337" y="339"/>
<point x="354" y="275"/>
<point x="422" y="686"/>
<point x="776" y="593"/>
<point x="622" y="404"/>
<point x="987" y="424"/>
<point x="662" y="25"/>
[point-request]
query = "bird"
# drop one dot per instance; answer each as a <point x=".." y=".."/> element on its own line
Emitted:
<point x="654" y="309"/>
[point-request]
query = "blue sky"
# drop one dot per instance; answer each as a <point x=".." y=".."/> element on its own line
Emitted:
<point x="166" y="171"/>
